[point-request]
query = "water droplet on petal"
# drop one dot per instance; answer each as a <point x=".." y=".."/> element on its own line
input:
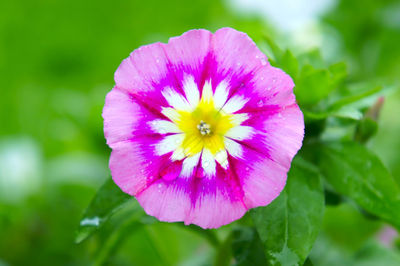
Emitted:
<point x="260" y="103"/>
<point x="263" y="61"/>
<point x="247" y="168"/>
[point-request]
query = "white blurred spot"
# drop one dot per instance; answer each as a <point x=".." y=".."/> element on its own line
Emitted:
<point x="297" y="18"/>
<point x="20" y="168"/>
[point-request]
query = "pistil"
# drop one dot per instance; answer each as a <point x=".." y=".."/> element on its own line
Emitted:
<point x="204" y="128"/>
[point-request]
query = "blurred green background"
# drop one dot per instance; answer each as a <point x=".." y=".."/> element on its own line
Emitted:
<point x="57" y="60"/>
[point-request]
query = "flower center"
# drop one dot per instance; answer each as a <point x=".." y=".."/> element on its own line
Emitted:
<point x="204" y="125"/>
<point x="204" y="128"/>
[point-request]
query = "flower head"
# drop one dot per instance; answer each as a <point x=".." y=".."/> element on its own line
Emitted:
<point x="202" y="128"/>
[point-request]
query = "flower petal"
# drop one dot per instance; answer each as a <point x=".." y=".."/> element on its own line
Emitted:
<point x="284" y="133"/>
<point x="164" y="126"/>
<point x="208" y="163"/>
<point x="133" y="165"/>
<point x="240" y="132"/>
<point x="233" y="148"/>
<point x="175" y="99"/>
<point x="189" y="165"/>
<point x="222" y="158"/>
<point x="188" y="52"/>
<point x="236" y="55"/>
<point x="278" y="136"/>
<point x="217" y="202"/>
<point x="221" y="94"/>
<point x="120" y="116"/>
<point x="125" y="119"/>
<point x="144" y="67"/>
<point x="169" y="143"/>
<point x="261" y="178"/>
<point x="169" y="201"/>
<point x="192" y="92"/>
<point x="208" y="203"/>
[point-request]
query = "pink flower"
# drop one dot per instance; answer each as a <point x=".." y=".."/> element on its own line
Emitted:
<point x="202" y="128"/>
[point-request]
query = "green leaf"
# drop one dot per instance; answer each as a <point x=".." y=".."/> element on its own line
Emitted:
<point x="247" y="247"/>
<point x="208" y="235"/>
<point x="366" y="128"/>
<point x="375" y="254"/>
<point x="108" y="199"/>
<point x="313" y="85"/>
<point x="349" y="106"/>
<point x="354" y="171"/>
<point x="116" y="239"/>
<point x="312" y="57"/>
<point x="274" y="49"/>
<point x="289" y="64"/>
<point x="289" y="226"/>
<point x="308" y="262"/>
<point x="354" y="98"/>
<point x="223" y="255"/>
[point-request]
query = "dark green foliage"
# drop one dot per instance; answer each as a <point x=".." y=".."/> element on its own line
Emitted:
<point x="289" y="226"/>
<point x="356" y="172"/>
<point x="247" y="247"/>
<point x="107" y="201"/>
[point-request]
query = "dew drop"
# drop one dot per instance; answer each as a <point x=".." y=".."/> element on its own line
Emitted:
<point x="94" y="221"/>
<point x="206" y="163"/>
<point x="247" y="168"/>
<point x="260" y="103"/>
<point x="263" y="61"/>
